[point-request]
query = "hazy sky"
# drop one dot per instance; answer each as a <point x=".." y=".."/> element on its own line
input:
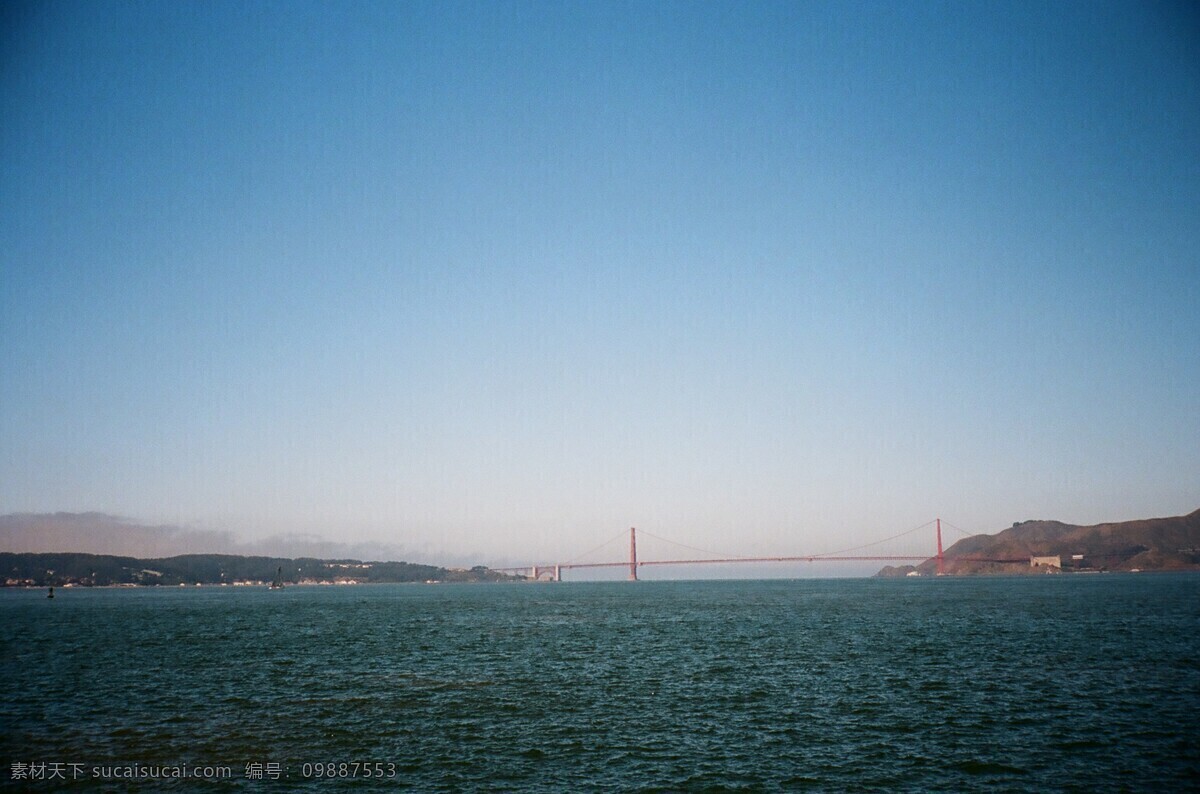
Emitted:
<point x="507" y="278"/>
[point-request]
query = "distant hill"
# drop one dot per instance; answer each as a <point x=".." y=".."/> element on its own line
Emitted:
<point x="46" y="569"/>
<point x="1152" y="544"/>
<point x="101" y="533"/>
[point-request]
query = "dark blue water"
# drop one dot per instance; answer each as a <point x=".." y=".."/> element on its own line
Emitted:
<point x="1067" y="683"/>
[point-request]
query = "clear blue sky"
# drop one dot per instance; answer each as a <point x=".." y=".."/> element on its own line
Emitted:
<point x="504" y="278"/>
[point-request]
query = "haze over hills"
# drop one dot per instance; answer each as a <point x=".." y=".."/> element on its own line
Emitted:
<point x="43" y="549"/>
<point x="1152" y="544"/>
<point x="104" y="534"/>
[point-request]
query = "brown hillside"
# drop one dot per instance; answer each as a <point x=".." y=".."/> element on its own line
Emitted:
<point x="1147" y="544"/>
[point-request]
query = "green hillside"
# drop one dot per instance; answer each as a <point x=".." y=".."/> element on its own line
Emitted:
<point x="43" y="570"/>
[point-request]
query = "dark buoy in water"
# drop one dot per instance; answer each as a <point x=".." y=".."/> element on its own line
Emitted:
<point x="51" y="593"/>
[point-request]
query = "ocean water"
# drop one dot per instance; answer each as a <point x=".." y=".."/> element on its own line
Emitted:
<point x="1073" y="683"/>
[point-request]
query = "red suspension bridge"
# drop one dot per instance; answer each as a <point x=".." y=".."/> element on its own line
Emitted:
<point x="554" y="571"/>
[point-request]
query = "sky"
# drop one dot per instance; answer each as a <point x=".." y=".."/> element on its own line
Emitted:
<point x="499" y="280"/>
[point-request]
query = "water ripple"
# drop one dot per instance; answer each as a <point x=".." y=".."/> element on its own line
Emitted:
<point x="964" y="685"/>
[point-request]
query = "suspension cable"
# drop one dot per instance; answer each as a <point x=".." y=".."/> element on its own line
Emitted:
<point x="597" y="548"/>
<point x="691" y="548"/>
<point x="946" y="523"/>
<point x="874" y="543"/>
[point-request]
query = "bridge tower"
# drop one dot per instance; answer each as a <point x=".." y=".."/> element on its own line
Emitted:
<point x="633" y="554"/>
<point x="940" y="565"/>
